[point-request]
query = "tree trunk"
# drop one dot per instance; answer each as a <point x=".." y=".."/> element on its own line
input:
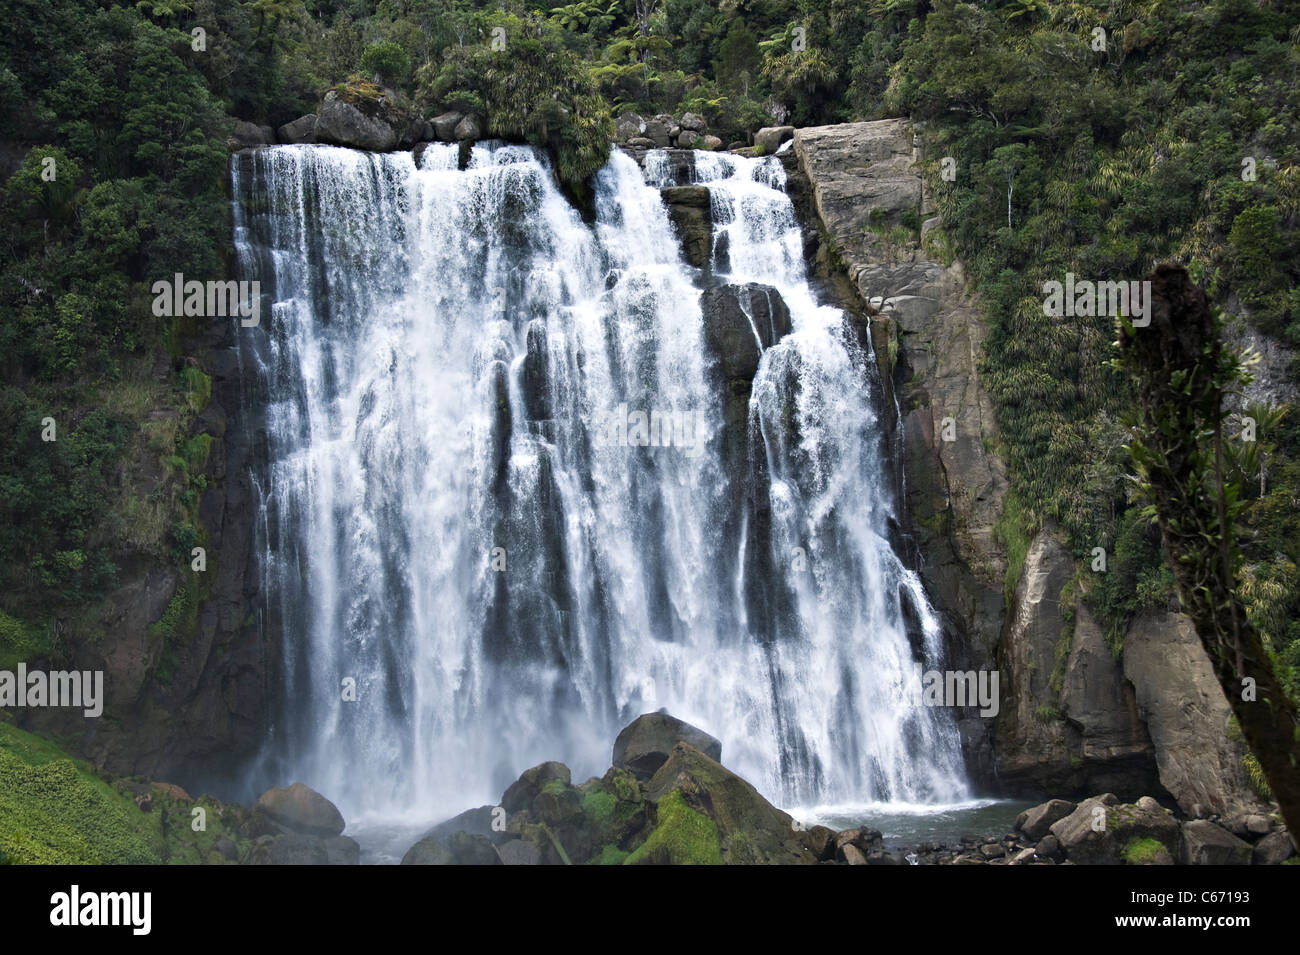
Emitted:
<point x="1180" y="369"/>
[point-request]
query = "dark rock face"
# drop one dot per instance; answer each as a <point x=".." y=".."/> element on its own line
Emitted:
<point x="303" y="810"/>
<point x="740" y="322"/>
<point x="645" y="744"/>
<point x="689" y="211"/>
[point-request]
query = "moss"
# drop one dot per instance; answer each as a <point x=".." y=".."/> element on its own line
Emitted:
<point x="21" y="641"/>
<point x="1068" y="603"/>
<point x="682" y="837"/>
<point x="194" y="452"/>
<point x="177" y="624"/>
<point x="599" y="806"/>
<point x="196" y="387"/>
<point x="1143" y="851"/>
<point x="1255" y="773"/>
<point x="609" y="855"/>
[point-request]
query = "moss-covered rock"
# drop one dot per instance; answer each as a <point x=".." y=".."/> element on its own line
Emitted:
<point x="682" y="836"/>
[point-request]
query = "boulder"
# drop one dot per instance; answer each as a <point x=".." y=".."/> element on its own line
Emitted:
<point x="693" y="121"/>
<point x="1274" y="849"/>
<point x="740" y="322"/>
<point x="770" y="138"/>
<point x="247" y="135"/>
<point x="629" y="126"/>
<point x="1181" y="700"/>
<point x="1100" y="830"/>
<point x="641" y="142"/>
<point x="292" y="849"/>
<point x="428" y="852"/>
<point x="476" y="822"/>
<point x="1049" y="847"/>
<point x="469" y="128"/>
<point x="444" y="126"/>
<point x="645" y="744"/>
<point x="851" y="855"/>
<point x="519" y="852"/>
<point x="300" y="130"/>
<point x="686" y="138"/>
<point x="360" y="121"/>
<point x="1205" y="843"/>
<point x="718" y="815"/>
<point x="521" y="793"/>
<point x="711" y="143"/>
<point x="301" y="809"/>
<point x="1035" y="823"/>
<point x="342" y="851"/>
<point x="821" y="841"/>
<point x="657" y="132"/>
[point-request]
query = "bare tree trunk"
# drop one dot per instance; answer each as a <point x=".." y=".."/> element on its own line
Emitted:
<point x="1180" y="369"/>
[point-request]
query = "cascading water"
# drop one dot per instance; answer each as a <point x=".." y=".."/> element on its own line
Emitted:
<point x="456" y="519"/>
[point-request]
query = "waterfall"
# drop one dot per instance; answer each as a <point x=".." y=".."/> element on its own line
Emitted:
<point x="473" y="563"/>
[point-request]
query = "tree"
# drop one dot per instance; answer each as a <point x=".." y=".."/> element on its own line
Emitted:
<point x="1181" y="370"/>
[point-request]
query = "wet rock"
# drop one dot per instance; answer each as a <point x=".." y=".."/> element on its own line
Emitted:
<point x="739" y="322"/>
<point x="519" y="852"/>
<point x="770" y="138"/>
<point x="342" y="850"/>
<point x="302" y="810"/>
<point x="689" y="211"/>
<point x="645" y="744"/>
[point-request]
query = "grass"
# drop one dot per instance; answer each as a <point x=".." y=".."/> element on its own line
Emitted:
<point x="1014" y="529"/>
<point x="54" y="810"/>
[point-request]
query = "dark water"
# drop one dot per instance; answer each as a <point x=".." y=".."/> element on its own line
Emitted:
<point x="905" y="826"/>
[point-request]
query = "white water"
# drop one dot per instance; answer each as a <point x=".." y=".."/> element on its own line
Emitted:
<point x="443" y="347"/>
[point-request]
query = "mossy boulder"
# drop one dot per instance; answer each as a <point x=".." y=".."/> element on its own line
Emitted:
<point x="363" y="116"/>
<point x="751" y="830"/>
<point x="521" y="793"/>
<point x="1101" y="828"/>
<point x="682" y="836"/>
